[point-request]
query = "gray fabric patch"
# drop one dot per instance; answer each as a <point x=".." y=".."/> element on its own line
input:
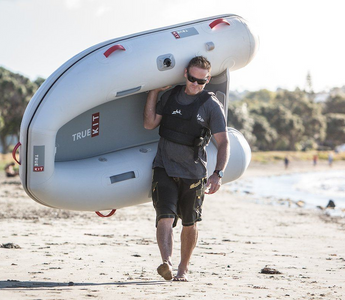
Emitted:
<point x="39" y="158"/>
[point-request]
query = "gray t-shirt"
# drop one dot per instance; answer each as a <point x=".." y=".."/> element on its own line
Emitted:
<point x="177" y="159"/>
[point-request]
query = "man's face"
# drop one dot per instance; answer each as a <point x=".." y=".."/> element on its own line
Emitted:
<point x="193" y="88"/>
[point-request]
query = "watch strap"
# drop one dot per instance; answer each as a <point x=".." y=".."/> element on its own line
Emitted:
<point x="218" y="172"/>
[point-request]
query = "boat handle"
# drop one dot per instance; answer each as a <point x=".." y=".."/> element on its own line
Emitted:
<point x="105" y="216"/>
<point x="218" y="21"/>
<point x="15" y="151"/>
<point x="113" y="49"/>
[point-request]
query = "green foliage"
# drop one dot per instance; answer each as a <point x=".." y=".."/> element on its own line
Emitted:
<point x="15" y="92"/>
<point x="239" y="118"/>
<point x="335" y="104"/>
<point x="335" y="129"/>
<point x="289" y="127"/>
<point x="286" y="120"/>
<point x="266" y="136"/>
<point x="299" y="104"/>
<point x="39" y="81"/>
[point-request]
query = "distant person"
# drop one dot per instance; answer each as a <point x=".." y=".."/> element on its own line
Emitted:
<point x="330" y="159"/>
<point x="315" y="157"/>
<point x="9" y="170"/>
<point x="286" y="162"/>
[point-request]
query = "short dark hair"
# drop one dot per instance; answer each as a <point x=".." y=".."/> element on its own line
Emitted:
<point x="199" y="62"/>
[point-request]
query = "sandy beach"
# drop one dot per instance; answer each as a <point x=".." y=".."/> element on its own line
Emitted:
<point x="55" y="254"/>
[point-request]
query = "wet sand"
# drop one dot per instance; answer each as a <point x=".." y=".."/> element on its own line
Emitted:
<point x="55" y="254"/>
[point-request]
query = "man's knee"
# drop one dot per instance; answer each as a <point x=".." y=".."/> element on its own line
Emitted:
<point x="165" y="222"/>
<point x="191" y="227"/>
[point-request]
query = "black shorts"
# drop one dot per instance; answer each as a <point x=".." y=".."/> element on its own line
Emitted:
<point x="177" y="197"/>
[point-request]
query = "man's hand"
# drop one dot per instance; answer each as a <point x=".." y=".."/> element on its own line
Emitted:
<point x="213" y="184"/>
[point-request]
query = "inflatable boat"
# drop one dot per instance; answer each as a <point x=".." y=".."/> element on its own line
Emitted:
<point x="82" y="141"/>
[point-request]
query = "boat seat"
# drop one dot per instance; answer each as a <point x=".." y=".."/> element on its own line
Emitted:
<point x="222" y="98"/>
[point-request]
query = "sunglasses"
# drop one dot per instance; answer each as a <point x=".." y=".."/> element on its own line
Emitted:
<point x="193" y="79"/>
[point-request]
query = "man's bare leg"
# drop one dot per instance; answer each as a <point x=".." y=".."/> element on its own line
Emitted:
<point x="189" y="237"/>
<point x="165" y="240"/>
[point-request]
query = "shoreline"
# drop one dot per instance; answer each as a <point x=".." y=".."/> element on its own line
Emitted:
<point x="77" y="255"/>
<point x="277" y="168"/>
<point x="281" y="179"/>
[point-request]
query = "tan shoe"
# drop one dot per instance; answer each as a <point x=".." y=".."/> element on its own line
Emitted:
<point x="165" y="270"/>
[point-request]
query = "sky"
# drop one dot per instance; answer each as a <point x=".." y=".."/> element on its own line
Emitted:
<point x="297" y="37"/>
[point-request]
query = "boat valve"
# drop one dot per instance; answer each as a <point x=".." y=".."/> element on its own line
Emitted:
<point x="165" y="62"/>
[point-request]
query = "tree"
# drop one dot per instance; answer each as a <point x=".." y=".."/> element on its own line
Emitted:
<point x="38" y="81"/>
<point x="309" y="84"/>
<point x="289" y="127"/>
<point x="335" y="104"/>
<point x="335" y="129"/>
<point x="15" y="92"/>
<point x="313" y="120"/>
<point x="239" y="118"/>
<point x="266" y="136"/>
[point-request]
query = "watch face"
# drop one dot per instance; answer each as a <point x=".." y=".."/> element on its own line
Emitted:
<point x="219" y="173"/>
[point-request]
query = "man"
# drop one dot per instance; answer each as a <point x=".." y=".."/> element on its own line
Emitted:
<point x="187" y="116"/>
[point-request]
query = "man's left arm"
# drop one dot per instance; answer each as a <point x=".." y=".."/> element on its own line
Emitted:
<point x="214" y="182"/>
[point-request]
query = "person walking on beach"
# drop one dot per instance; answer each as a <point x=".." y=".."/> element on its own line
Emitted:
<point x="187" y="116"/>
<point x="330" y="159"/>
<point x="315" y="157"/>
<point x="286" y="162"/>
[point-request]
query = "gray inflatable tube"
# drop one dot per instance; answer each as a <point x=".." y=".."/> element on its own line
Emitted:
<point x="83" y="145"/>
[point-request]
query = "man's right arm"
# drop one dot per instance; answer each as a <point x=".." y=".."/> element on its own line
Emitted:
<point x="151" y="118"/>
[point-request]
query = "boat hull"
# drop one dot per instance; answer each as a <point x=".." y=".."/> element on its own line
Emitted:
<point x="83" y="145"/>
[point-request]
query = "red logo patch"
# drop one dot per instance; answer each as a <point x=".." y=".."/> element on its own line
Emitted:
<point x="95" y="125"/>
<point x="38" y="169"/>
<point x="175" y="34"/>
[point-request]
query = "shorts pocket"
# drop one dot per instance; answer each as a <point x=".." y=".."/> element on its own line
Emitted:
<point x="155" y="196"/>
<point x="199" y="198"/>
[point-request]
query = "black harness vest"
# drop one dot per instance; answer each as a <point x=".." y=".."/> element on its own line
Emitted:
<point x="179" y="122"/>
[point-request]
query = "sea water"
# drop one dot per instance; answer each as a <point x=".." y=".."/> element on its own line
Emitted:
<point x="314" y="188"/>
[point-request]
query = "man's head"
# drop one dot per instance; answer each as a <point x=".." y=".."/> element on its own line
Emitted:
<point x="197" y="74"/>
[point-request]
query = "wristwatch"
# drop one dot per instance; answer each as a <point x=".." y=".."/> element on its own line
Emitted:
<point x="220" y="173"/>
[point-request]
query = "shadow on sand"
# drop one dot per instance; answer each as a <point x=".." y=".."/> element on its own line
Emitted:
<point x="16" y="284"/>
